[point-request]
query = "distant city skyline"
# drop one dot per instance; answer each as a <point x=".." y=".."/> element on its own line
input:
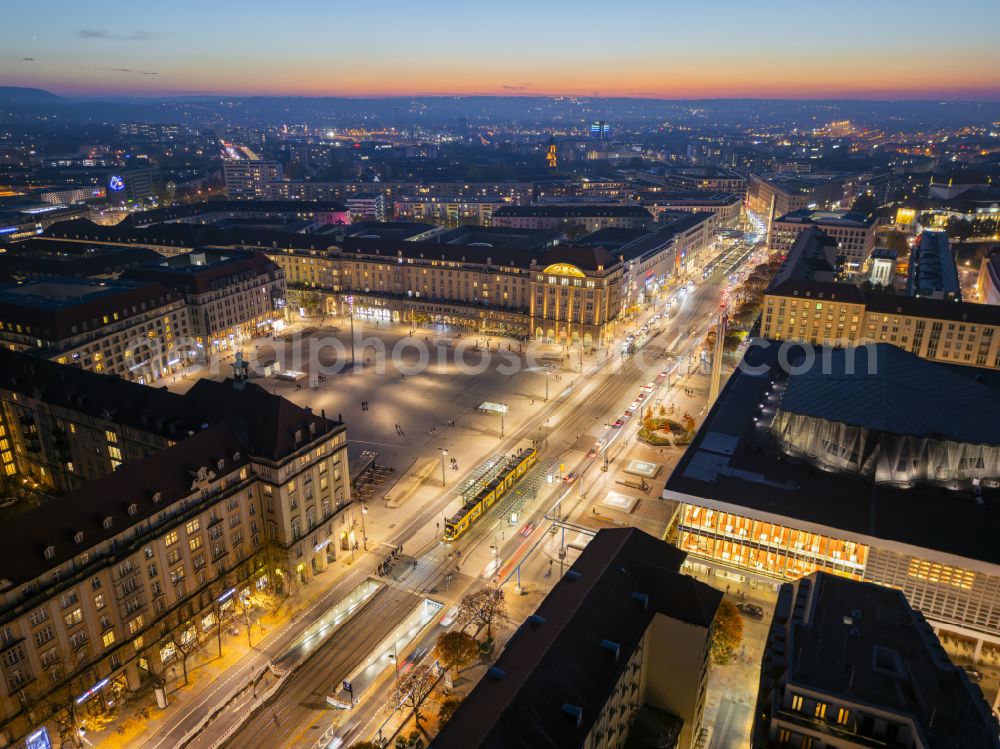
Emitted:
<point x="914" y="50"/>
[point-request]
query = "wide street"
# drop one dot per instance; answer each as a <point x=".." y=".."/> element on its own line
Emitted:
<point x="435" y="409"/>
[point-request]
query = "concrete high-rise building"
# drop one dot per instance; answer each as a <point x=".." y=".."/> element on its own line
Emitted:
<point x="366" y="206"/>
<point x="600" y="130"/>
<point x="250" y="178"/>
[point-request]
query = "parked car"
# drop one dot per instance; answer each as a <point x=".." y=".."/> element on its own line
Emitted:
<point x="618" y="423"/>
<point x="751" y="609"/>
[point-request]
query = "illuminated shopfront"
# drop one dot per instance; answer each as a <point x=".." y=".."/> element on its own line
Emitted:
<point x="766" y="548"/>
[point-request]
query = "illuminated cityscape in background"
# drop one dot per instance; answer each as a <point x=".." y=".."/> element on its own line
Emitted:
<point x="537" y="375"/>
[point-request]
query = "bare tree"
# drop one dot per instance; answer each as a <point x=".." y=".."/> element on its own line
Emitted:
<point x="186" y="643"/>
<point x="411" y="688"/>
<point x="485" y="607"/>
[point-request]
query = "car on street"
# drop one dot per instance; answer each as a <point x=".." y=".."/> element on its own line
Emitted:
<point x="640" y="397"/>
<point x="649" y="387"/>
<point x="634" y="406"/>
<point x="570" y="477"/>
<point x="751" y="609"/>
<point x="526" y="529"/>
<point x="619" y="423"/>
<point x="449" y="616"/>
<point x="592" y="453"/>
<point x="412" y="659"/>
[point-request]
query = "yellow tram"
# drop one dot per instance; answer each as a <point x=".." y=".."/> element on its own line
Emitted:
<point x="473" y="508"/>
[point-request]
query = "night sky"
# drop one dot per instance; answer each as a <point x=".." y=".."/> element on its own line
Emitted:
<point x="655" y="48"/>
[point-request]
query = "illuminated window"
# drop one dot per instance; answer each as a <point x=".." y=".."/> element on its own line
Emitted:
<point x="843" y="715"/>
<point x="73" y="617"/>
<point x="820" y="710"/>
<point x="109" y="638"/>
<point x="797" y="702"/>
<point x="193" y="526"/>
<point x="941" y="573"/>
<point x="170" y="538"/>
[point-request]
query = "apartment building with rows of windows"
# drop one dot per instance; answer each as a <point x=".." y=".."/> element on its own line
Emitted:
<point x="838" y="314"/>
<point x="449" y="210"/>
<point x="773" y="195"/>
<point x="249" y="179"/>
<point x="132" y="329"/>
<point x="62" y="426"/>
<point x="850" y="665"/>
<point x="853" y="233"/>
<point x="519" y="193"/>
<point x="105" y="584"/>
<point x="588" y="217"/>
<point x="524" y="284"/>
<point x="562" y="293"/>
<point x="231" y="296"/>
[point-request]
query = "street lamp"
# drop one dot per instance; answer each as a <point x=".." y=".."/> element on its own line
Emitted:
<point x="547" y="385"/>
<point x="503" y="408"/>
<point x="350" y="308"/>
<point x="364" y="533"/>
<point x="443" y="453"/>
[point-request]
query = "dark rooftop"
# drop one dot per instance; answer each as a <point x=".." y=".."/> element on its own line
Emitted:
<point x="33" y="258"/>
<point x="572" y="211"/>
<point x="557" y="657"/>
<point x="847" y="219"/>
<point x="232" y="207"/>
<point x="865" y="642"/>
<point x="812" y="256"/>
<point x="735" y="460"/>
<point x="192" y="236"/>
<point x="902" y="394"/>
<point x="890" y="304"/>
<point x="201" y="271"/>
<point x="53" y="306"/>
<point x="496" y="236"/>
